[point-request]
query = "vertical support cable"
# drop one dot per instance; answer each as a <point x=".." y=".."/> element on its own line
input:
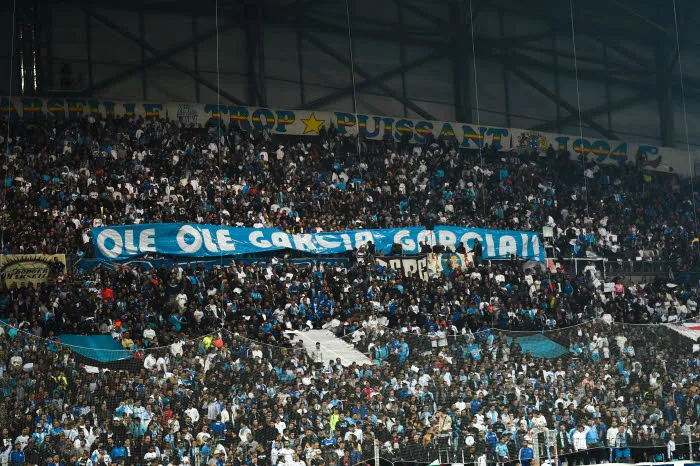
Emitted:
<point x="218" y="150"/>
<point x="9" y="117"/>
<point x="578" y="101"/>
<point x="685" y="124"/>
<point x="354" y="102"/>
<point x="478" y="115"/>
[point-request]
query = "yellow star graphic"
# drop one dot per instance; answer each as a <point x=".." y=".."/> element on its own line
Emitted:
<point x="313" y="125"/>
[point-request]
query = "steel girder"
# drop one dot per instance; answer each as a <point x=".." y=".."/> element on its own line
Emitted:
<point x="595" y="111"/>
<point x="319" y="44"/>
<point x="461" y="76"/>
<point x="290" y="11"/>
<point x="513" y="49"/>
<point x="175" y="64"/>
<point x="253" y="28"/>
<point x="532" y="82"/>
<point x="376" y="79"/>
<point x="163" y="56"/>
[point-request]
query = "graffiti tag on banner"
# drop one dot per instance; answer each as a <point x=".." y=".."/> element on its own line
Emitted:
<point x="377" y="127"/>
<point x="154" y="264"/>
<point x="22" y="269"/>
<point x="427" y="266"/>
<point x="410" y="266"/>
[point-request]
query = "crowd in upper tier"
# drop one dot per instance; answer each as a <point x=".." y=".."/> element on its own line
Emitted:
<point x="215" y="371"/>
<point x="63" y="176"/>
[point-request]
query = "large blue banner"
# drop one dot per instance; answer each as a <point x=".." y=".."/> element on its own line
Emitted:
<point x="190" y="240"/>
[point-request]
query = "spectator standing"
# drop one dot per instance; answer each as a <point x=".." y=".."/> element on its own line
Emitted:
<point x="318" y="356"/>
<point x="580" y="445"/>
<point x="525" y="454"/>
<point x="622" y="445"/>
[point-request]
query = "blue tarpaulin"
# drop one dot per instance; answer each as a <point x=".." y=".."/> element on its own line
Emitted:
<point x="540" y="346"/>
<point x="102" y="348"/>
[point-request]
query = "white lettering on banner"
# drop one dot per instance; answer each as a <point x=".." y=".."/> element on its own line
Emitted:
<point x="346" y="241"/>
<point x="224" y="239"/>
<point x="403" y="237"/>
<point x="524" y="238"/>
<point x="468" y="236"/>
<point x="122" y="242"/>
<point x="147" y="240"/>
<point x="281" y="240"/>
<point x="447" y="239"/>
<point x="327" y="241"/>
<point x="508" y="246"/>
<point x="129" y="246"/>
<point x="208" y="243"/>
<point x="490" y="247"/>
<point x="304" y="242"/>
<point x="117" y="246"/>
<point x="181" y="238"/>
<point x="257" y="239"/>
<point x="425" y="236"/>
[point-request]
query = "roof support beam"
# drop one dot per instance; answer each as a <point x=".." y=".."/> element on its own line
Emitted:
<point x="664" y="90"/>
<point x="595" y="111"/>
<point x="532" y="82"/>
<point x="255" y="54"/>
<point x="175" y="64"/>
<point x="374" y="80"/>
<point x="322" y="46"/>
<point x="407" y="5"/>
<point x="461" y="76"/>
<point x="161" y="57"/>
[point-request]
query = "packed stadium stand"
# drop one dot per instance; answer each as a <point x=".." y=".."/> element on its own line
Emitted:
<point x="242" y="283"/>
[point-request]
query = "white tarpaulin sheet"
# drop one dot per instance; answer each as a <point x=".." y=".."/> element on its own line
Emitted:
<point x="332" y="347"/>
<point x="689" y="330"/>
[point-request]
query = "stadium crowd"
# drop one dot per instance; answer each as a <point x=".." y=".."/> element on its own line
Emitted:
<point x="65" y="175"/>
<point x="216" y="373"/>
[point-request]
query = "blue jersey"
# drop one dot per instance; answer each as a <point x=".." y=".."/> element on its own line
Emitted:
<point x="502" y="450"/>
<point x="491" y="440"/>
<point x="526" y="453"/>
<point x="218" y="427"/>
<point x="592" y="435"/>
<point x="17" y="458"/>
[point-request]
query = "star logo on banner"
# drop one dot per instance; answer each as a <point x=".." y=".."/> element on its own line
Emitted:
<point x="313" y="125"/>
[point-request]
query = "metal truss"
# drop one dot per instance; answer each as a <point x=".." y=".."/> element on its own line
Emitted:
<point x="444" y="29"/>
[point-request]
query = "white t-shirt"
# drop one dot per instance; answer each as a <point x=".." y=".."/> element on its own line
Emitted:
<point x="580" y="441"/>
<point x="539" y="421"/>
<point x="193" y="414"/>
<point x="288" y="454"/>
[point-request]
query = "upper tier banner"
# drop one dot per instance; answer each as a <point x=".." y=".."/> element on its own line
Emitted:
<point x="311" y="123"/>
<point x="123" y="242"/>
